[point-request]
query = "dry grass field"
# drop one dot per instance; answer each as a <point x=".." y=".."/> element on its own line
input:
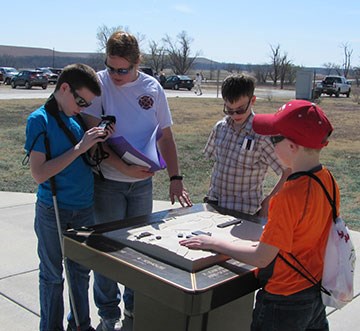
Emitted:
<point x="194" y="118"/>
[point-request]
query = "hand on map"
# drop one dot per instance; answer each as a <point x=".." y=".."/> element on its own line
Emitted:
<point x="179" y="191"/>
<point x="199" y="242"/>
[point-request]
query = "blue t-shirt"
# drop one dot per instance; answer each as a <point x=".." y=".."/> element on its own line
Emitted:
<point x="74" y="184"/>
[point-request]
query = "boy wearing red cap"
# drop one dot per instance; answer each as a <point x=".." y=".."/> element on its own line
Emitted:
<point x="298" y="224"/>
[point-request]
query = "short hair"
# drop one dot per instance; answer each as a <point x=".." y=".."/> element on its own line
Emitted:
<point x="123" y="44"/>
<point x="79" y="76"/>
<point x="236" y="86"/>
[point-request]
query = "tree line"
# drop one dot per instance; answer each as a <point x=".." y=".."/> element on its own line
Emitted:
<point x="177" y="55"/>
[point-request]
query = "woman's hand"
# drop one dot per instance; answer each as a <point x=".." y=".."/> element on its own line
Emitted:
<point x="179" y="191"/>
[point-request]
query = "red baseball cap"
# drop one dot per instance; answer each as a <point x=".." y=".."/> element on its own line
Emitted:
<point x="301" y="121"/>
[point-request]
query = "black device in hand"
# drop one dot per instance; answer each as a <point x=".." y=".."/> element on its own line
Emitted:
<point x="100" y="154"/>
<point x="106" y="121"/>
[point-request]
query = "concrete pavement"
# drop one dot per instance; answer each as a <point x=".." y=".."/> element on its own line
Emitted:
<point x="19" y="301"/>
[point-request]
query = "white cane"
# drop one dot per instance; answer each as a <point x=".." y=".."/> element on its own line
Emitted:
<point x="67" y="275"/>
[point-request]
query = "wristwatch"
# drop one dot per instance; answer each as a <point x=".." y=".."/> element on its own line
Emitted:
<point x="176" y="177"/>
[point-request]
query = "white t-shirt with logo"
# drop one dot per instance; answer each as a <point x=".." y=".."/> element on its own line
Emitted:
<point x="138" y="106"/>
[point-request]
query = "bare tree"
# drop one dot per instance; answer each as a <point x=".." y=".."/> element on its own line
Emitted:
<point x="179" y="53"/>
<point x="262" y="72"/>
<point x="291" y="74"/>
<point x="329" y="67"/>
<point x="276" y="63"/>
<point x="104" y="32"/>
<point x="141" y="38"/>
<point x="338" y="69"/>
<point x="233" y="68"/>
<point x="284" y="69"/>
<point x="347" y="58"/>
<point x="281" y="66"/>
<point x="156" y="57"/>
<point x="357" y="75"/>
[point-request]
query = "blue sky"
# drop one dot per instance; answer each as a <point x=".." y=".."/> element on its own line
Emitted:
<point x="310" y="32"/>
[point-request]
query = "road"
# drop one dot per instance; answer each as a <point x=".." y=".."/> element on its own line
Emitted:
<point x="6" y="92"/>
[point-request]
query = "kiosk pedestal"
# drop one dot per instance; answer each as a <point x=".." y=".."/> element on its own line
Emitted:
<point x="155" y="316"/>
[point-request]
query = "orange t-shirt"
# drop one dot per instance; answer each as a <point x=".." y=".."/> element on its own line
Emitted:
<point x="299" y="222"/>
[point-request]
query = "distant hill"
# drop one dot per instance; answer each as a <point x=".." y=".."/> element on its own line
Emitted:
<point x="32" y="57"/>
<point x="20" y="51"/>
<point x="20" y="57"/>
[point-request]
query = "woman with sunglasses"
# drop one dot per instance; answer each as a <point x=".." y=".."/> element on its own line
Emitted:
<point x="139" y="104"/>
<point x="241" y="157"/>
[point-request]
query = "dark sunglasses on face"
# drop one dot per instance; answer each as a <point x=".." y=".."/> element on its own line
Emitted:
<point x="80" y="101"/>
<point x="276" y="139"/>
<point x="238" y="111"/>
<point x="120" y="71"/>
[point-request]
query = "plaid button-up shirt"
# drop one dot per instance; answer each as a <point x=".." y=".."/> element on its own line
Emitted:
<point x="242" y="158"/>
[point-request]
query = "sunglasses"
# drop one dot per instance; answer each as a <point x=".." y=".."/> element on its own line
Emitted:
<point x="80" y="101"/>
<point x="120" y="71"/>
<point x="276" y="139"/>
<point x="238" y="111"/>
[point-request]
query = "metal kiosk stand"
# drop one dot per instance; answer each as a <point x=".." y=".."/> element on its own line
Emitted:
<point x="167" y="297"/>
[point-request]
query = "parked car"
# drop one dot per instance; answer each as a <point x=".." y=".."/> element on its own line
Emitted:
<point x="56" y="70"/>
<point x="333" y="85"/>
<point x="30" y="78"/>
<point x="179" y="81"/>
<point x="7" y="74"/>
<point x="147" y="70"/>
<point x="52" y="77"/>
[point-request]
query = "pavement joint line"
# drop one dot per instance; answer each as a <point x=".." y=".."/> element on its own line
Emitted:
<point x="19" y="205"/>
<point x="19" y="304"/>
<point x="334" y="310"/>
<point x="19" y="274"/>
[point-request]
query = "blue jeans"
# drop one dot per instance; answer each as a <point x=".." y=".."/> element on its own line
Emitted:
<point x="117" y="201"/>
<point x="297" y="312"/>
<point x="51" y="282"/>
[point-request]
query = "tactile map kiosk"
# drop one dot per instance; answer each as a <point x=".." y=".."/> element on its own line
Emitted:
<point x="175" y="288"/>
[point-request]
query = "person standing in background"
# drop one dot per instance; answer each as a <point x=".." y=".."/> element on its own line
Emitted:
<point x="162" y="79"/>
<point x="198" y="81"/>
<point x="241" y="156"/>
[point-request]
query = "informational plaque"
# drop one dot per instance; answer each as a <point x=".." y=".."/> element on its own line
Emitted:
<point x="160" y="239"/>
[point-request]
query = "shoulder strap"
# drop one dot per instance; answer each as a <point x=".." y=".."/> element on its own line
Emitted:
<point x="52" y="108"/>
<point x="48" y="157"/>
<point x="332" y="201"/>
<point x="307" y="275"/>
<point x="26" y="158"/>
